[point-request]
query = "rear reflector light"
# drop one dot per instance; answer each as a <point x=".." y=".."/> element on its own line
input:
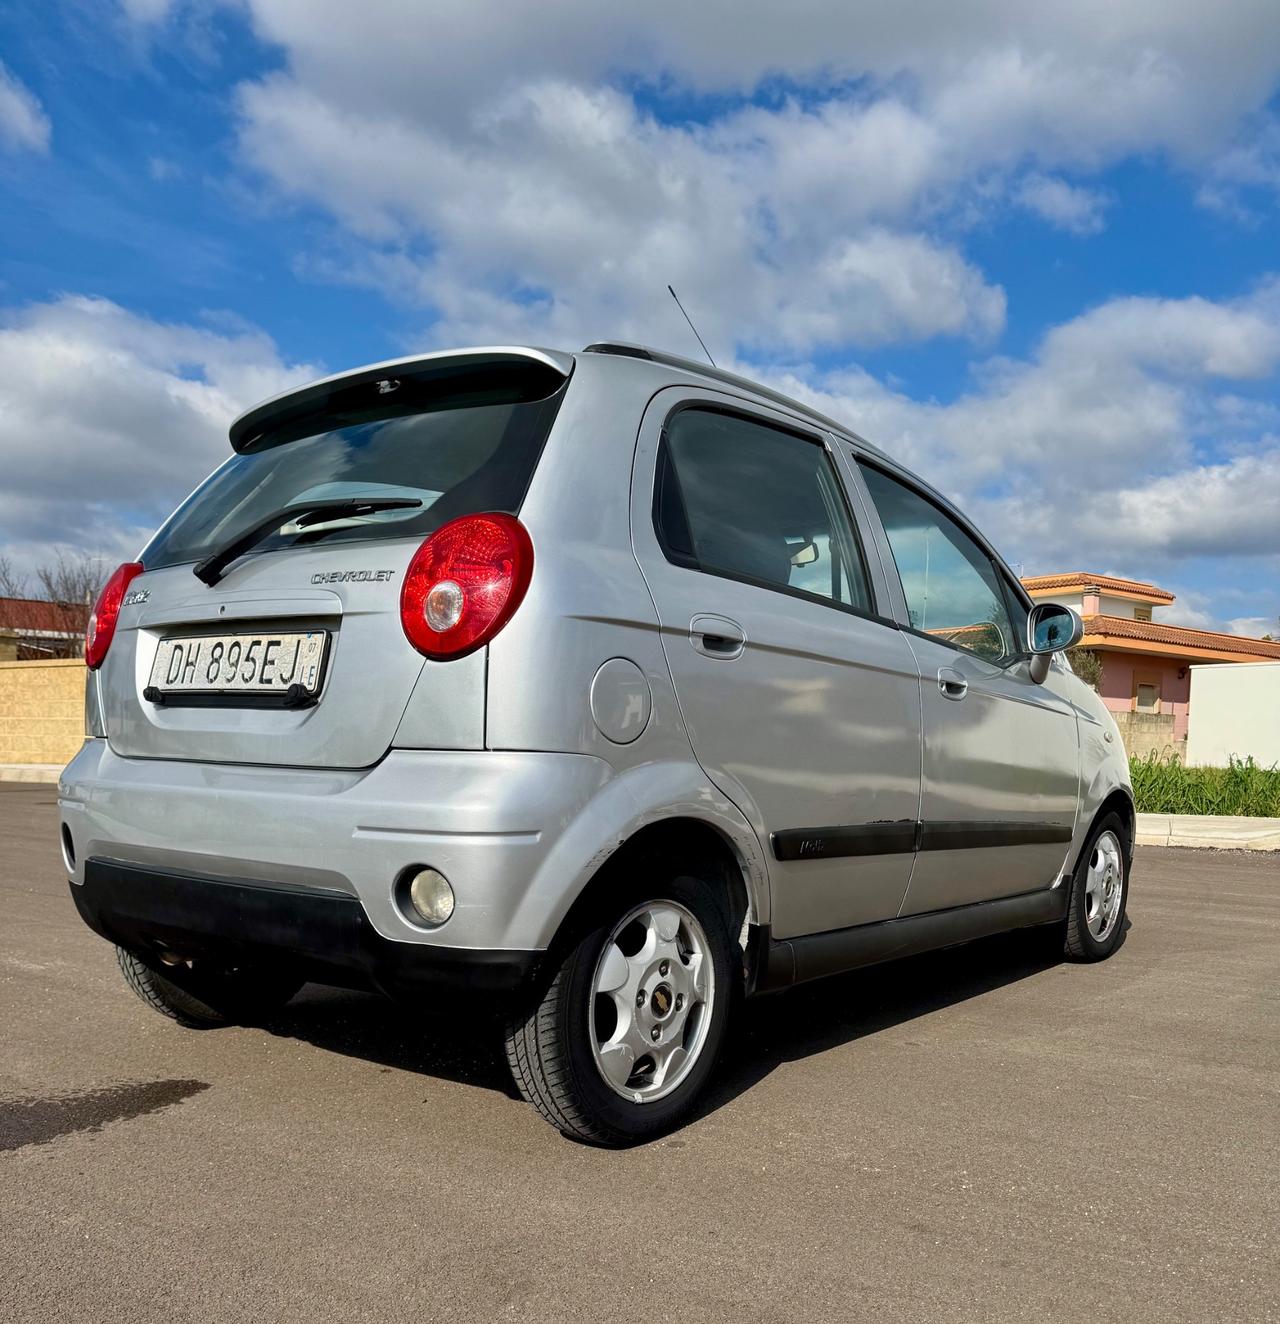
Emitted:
<point x="465" y="583"/>
<point x="106" y="611"/>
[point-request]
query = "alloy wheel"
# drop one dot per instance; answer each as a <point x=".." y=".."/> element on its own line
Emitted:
<point x="652" y="995"/>
<point x="1103" y="886"/>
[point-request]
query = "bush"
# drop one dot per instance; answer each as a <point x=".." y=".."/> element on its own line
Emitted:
<point x="1087" y="665"/>
<point x="1161" y="785"/>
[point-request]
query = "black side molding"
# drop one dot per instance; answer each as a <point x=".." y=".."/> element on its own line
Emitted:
<point x="897" y="838"/>
<point x="776" y="964"/>
<point x="903" y="835"/>
<point x="970" y="835"/>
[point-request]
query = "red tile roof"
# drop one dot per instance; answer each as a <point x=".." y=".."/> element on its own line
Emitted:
<point x="1082" y="579"/>
<point x="1121" y="627"/>
<point x="31" y="615"/>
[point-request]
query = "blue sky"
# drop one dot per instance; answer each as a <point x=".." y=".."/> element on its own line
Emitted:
<point x="1034" y="254"/>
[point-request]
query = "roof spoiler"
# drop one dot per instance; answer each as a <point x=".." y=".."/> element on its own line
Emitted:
<point x="316" y="396"/>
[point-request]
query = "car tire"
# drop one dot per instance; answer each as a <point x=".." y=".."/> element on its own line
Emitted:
<point x="1099" y="893"/>
<point x="204" y="998"/>
<point x="659" y="961"/>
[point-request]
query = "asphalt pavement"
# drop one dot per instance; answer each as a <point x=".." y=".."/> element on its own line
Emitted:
<point x="987" y="1134"/>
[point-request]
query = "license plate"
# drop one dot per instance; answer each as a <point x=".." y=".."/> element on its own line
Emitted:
<point x="240" y="663"/>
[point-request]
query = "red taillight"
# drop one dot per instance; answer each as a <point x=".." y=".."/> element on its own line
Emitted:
<point x="465" y="583"/>
<point x="106" y="611"/>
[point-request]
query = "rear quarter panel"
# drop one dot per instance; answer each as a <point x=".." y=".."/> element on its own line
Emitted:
<point x="587" y="604"/>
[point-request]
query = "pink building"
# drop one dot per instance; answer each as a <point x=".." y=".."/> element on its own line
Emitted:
<point x="1146" y="666"/>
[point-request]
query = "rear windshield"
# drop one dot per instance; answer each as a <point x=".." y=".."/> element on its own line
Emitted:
<point x="458" y="448"/>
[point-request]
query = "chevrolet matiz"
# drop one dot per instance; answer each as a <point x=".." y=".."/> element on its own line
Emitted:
<point x="605" y="689"/>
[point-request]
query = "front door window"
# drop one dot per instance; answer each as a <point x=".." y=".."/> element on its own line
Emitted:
<point x="952" y="588"/>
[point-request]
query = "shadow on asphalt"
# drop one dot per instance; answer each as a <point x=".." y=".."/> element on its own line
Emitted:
<point x="828" y="1013"/>
<point x="460" y="1044"/>
<point x="451" y="1040"/>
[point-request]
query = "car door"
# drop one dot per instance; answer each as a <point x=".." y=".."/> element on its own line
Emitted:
<point x="801" y="702"/>
<point x="1000" y="774"/>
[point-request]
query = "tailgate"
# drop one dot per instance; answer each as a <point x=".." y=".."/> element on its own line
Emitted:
<point x="266" y="625"/>
<point x="367" y="670"/>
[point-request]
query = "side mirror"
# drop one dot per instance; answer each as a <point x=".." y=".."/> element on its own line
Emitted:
<point x="1050" y="628"/>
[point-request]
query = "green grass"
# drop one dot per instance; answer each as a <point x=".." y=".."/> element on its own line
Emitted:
<point x="1164" y="786"/>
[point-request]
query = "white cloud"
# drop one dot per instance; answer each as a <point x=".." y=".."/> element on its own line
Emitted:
<point x="1091" y="450"/>
<point x="567" y="213"/>
<point x="1088" y="76"/>
<point x="1254" y="627"/>
<point x="506" y="168"/>
<point x="524" y="172"/>
<point x="1238" y="340"/>
<point x="1191" y="608"/>
<point x="23" y="123"/>
<point x="1251" y="164"/>
<point x="1067" y="206"/>
<point x="1085" y="454"/>
<point x="1232" y="508"/>
<point x="108" y="419"/>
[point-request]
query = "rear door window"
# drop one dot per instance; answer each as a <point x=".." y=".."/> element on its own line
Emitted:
<point x="739" y="498"/>
<point x="459" y="447"/>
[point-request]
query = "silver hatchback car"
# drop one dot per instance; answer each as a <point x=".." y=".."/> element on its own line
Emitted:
<point x="606" y="686"/>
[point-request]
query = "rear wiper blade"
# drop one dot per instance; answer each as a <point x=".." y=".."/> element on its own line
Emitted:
<point x="301" y="513"/>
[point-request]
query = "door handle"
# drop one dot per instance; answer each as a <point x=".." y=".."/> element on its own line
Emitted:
<point x="717" y="637"/>
<point x="951" y="684"/>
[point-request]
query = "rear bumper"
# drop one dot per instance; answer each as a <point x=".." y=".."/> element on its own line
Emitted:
<point x="489" y="821"/>
<point x="324" y="935"/>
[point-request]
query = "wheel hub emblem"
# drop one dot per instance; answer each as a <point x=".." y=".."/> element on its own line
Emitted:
<point x="661" y="1001"/>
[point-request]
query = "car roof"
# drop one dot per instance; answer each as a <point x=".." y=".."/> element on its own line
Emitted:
<point x="709" y="372"/>
<point x="255" y="420"/>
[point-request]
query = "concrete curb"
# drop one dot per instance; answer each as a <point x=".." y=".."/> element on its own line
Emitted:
<point x="1208" y="831"/>
<point x="47" y="773"/>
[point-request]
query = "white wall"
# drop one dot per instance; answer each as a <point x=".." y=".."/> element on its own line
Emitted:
<point x="1235" y="709"/>
<point x="1064" y="598"/>
<point x="1074" y="599"/>
<point x="1118" y="606"/>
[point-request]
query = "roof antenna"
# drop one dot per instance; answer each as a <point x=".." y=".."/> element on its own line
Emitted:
<point x="692" y="328"/>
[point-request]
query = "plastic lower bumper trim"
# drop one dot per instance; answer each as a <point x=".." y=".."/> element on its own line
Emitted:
<point x="325" y="935"/>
